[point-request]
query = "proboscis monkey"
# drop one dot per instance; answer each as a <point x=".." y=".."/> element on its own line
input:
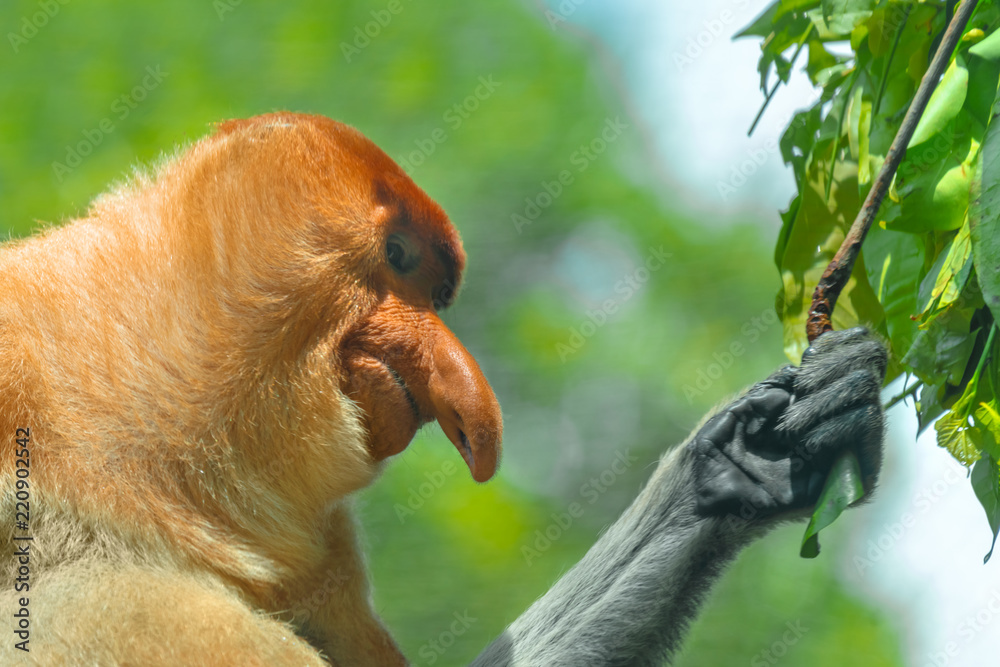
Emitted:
<point x="207" y="364"/>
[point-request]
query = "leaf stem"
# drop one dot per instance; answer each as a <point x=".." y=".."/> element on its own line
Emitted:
<point x="986" y="353"/>
<point x="888" y="63"/>
<point x="836" y="141"/>
<point x="906" y="393"/>
<point x="767" y="100"/>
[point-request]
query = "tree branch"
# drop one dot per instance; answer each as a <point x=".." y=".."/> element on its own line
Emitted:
<point x="839" y="270"/>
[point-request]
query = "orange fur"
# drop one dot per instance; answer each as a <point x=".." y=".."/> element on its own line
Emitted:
<point x="210" y="362"/>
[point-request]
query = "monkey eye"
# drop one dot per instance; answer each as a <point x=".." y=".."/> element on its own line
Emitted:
<point x="443" y="296"/>
<point x="399" y="255"/>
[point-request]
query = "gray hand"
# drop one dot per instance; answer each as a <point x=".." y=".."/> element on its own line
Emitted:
<point x="768" y="453"/>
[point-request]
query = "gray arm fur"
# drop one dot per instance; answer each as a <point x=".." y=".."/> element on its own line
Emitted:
<point x="629" y="600"/>
<point x="757" y="462"/>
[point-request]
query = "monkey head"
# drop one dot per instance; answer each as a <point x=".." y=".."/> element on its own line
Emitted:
<point x="384" y="260"/>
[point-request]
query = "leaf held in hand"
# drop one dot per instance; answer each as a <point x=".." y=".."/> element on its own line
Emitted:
<point x="843" y="487"/>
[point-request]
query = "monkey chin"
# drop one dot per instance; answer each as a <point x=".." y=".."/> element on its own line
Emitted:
<point x="391" y="416"/>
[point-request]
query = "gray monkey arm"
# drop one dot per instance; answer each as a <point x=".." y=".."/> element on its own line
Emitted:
<point x="629" y="600"/>
<point x="757" y="462"/>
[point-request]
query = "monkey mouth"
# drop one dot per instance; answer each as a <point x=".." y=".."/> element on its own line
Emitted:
<point x="391" y="413"/>
<point x="401" y="383"/>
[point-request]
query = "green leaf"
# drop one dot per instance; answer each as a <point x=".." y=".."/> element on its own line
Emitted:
<point x="945" y="102"/>
<point x="880" y="32"/>
<point x="775" y="17"/>
<point x="833" y="124"/>
<point x="930" y="407"/>
<point x="797" y="142"/>
<point x="837" y="27"/>
<point x="953" y="433"/>
<point x="989" y="48"/>
<point x="941" y="351"/>
<point x="762" y="25"/>
<point x="787" y="220"/>
<point x="916" y="281"/>
<point x="859" y="35"/>
<point x="932" y="184"/>
<point x="865" y="166"/>
<point x="956" y="430"/>
<point x="986" y="484"/>
<point x="984" y="75"/>
<point x="987" y="415"/>
<point x="832" y="77"/>
<point x="917" y="65"/>
<point x="985" y="216"/>
<point x="936" y="200"/>
<point x="954" y="271"/>
<point x="820" y="62"/>
<point x="795" y="7"/>
<point x="894" y="263"/>
<point x="926" y="288"/>
<point x="853" y="121"/>
<point x="786" y="32"/>
<point x="840" y="17"/>
<point x="843" y="487"/>
<point x="835" y="7"/>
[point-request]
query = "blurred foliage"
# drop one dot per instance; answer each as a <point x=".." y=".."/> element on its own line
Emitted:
<point x="606" y="323"/>
<point x="928" y="278"/>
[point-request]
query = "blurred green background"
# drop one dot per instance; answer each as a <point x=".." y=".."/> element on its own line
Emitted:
<point x="102" y="86"/>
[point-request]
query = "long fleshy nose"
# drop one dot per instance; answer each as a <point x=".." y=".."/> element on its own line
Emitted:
<point x="464" y="404"/>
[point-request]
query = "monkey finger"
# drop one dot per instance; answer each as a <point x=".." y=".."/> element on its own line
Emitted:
<point x="715" y="434"/>
<point x="836" y="354"/>
<point x="746" y="417"/>
<point x="761" y="406"/>
<point x="768" y="399"/>
<point x="833" y="340"/>
<point x="858" y="388"/>
<point x="783" y="377"/>
<point x="853" y="429"/>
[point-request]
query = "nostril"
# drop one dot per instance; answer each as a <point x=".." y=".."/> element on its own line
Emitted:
<point x="467" y="447"/>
